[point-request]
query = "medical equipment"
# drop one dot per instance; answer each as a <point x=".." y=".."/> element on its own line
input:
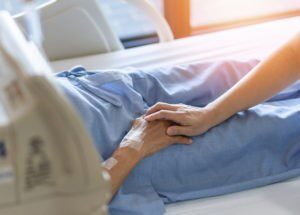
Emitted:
<point x="48" y="164"/>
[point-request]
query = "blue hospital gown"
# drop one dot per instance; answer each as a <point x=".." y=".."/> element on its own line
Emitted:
<point x="253" y="148"/>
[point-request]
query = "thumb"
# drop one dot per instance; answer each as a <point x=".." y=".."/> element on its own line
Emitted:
<point x="179" y="130"/>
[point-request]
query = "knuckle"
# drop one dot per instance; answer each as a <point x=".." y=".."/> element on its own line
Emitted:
<point x="159" y="104"/>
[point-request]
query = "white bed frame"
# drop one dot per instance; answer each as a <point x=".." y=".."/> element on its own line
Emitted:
<point x="256" y="41"/>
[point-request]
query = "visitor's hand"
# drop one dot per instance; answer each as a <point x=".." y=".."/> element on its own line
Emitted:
<point x="150" y="137"/>
<point x="190" y="121"/>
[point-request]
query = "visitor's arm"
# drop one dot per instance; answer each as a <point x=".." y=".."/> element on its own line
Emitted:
<point x="268" y="78"/>
<point x="271" y="76"/>
<point x="144" y="139"/>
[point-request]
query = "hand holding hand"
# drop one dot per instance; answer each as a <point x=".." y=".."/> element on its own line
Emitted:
<point x="150" y="137"/>
<point x="190" y="121"/>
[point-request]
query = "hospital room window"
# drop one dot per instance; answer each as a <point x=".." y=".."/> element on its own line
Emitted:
<point x="205" y="13"/>
<point x="191" y="17"/>
<point x="188" y="17"/>
<point x="132" y="27"/>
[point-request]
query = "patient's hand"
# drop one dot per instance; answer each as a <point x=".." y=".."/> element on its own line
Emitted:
<point x="150" y="137"/>
<point x="144" y="139"/>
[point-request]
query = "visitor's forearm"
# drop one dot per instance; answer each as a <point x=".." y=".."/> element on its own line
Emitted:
<point x="120" y="165"/>
<point x="268" y="78"/>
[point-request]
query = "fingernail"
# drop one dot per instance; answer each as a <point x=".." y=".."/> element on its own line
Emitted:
<point x="190" y="141"/>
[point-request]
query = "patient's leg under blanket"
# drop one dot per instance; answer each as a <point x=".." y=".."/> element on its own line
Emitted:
<point x="253" y="148"/>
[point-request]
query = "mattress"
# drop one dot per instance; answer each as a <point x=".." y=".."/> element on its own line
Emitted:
<point x="256" y="41"/>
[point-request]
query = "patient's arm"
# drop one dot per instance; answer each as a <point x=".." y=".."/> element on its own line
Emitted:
<point x="144" y="139"/>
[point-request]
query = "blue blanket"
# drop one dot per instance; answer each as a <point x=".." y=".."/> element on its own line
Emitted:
<point x="253" y="148"/>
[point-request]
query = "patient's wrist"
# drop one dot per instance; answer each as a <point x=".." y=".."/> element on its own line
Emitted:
<point x="128" y="155"/>
<point x="119" y="166"/>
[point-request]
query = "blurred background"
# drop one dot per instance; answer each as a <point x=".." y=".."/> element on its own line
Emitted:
<point x="192" y="17"/>
<point x="189" y="17"/>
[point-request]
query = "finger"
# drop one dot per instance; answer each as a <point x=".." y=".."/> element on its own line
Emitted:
<point x="179" y="130"/>
<point x="160" y="106"/>
<point x="166" y="115"/>
<point x="183" y="140"/>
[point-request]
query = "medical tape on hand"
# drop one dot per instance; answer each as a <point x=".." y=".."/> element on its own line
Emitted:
<point x="134" y="139"/>
<point x="110" y="163"/>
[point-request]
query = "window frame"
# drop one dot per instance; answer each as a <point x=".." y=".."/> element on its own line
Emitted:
<point x="178" y="15"/>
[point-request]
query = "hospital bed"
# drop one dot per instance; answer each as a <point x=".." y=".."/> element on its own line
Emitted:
<point x="94" y="33"/>
<point x="256" y="41"/>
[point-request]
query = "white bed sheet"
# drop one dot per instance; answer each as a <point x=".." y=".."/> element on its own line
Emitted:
<point x="277" y="199"/>
<point x="248" y="42"/>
